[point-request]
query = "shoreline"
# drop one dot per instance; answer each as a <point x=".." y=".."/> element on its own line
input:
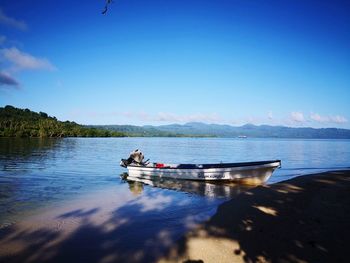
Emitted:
<point x="303" y="219"/>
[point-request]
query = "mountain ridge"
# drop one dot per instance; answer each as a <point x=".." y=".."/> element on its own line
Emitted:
<point x="225" y="130"/>
<point x="16" y="122"/>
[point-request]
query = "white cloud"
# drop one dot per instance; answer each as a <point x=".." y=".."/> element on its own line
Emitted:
<point x="170" y="117"/>
<point x="338" y="119"/>
<point x="12" y="22"/>
<point x="328" y="119"/>
<point x="25" y="61"/>
<point x="318" y="118"/>
<point x="15" y="60"/>
<point x="297" y="116"/>
<point x="143" y="118"/>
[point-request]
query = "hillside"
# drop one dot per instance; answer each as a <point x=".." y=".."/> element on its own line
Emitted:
<point x="262" y="131"/>
<point x="137" y="131"/>
<point x="15" y="122"/>
<point x="216" y="130"/>
<point x="151" y="131"/>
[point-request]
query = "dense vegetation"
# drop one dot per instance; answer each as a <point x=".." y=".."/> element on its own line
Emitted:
<point x="16" y="122"/>
<point x="148" y="131"/>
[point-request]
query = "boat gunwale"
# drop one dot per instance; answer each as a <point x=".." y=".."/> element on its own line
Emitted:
<point x="208" y="166"/>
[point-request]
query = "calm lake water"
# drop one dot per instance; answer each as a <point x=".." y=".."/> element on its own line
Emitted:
<point x="36" y="173"/>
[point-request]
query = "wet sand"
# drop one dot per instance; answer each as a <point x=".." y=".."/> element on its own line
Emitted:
<point x="305" y="219"/>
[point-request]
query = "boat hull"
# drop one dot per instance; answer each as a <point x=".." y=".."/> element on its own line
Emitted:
<point x="254" y="174"/>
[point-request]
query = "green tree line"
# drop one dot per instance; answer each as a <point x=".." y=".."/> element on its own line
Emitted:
<point x="15" y="122"/>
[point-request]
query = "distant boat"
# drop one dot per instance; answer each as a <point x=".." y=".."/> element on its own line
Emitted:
<point x="242" y="137"/>
<point x="245" y="172"/>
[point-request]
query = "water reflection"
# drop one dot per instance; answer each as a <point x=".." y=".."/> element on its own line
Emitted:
<point x="26" y="153"/>
<point x="207" y="189"/>
<point x="25" y="183"/>
<point x="35" y="172"/>
<point x="135" y="187"/>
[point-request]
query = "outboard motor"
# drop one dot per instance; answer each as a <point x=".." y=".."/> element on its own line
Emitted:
<point x="136" y="157"/>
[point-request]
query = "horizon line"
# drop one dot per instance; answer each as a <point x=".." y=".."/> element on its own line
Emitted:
<point x="219" y="124"/>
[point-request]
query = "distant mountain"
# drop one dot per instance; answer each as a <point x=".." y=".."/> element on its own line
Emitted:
<point x="15" y="122"/>
<point x="218" y="130"/>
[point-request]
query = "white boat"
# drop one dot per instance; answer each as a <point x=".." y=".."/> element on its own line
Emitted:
<point x="246" y="172"/>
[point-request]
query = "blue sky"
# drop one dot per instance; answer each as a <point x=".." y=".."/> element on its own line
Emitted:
<point x="158" y="62"/>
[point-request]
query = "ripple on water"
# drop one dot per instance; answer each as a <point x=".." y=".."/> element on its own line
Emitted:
<point x="35" y="173"/>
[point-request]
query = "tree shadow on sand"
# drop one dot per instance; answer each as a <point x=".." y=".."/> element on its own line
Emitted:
<point x="137" y="231"/>
<point x="300" y="220"/>
<point x="305" y="219"/>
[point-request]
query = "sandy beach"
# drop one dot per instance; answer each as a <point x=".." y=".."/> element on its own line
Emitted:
<point x="304" y="219"/>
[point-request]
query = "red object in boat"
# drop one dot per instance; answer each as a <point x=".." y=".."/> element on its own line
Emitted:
<point x="159" y="165"/>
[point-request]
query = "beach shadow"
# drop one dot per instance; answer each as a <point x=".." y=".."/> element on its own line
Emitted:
<point x="79" y="213"/>
<point x="121" y="238"/>
<point x="299" y="220"/>
<point x="295" y="221"/>
<point x="137" y="231"/>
